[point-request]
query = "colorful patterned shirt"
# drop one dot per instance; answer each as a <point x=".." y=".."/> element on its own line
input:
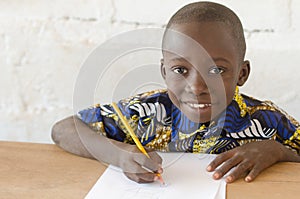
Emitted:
<point x="162" y="126"/>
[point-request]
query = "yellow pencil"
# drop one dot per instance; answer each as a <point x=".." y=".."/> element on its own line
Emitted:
<point x="132" y="134"/>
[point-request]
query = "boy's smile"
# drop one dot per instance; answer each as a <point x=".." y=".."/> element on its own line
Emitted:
<point x="202" y="69"/>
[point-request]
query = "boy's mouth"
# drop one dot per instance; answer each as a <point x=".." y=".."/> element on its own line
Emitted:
<point x="198" y="105"/>
<point x="197" y="111"/>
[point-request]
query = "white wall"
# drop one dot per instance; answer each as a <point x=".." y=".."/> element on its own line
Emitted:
<point x="43" y="44"/>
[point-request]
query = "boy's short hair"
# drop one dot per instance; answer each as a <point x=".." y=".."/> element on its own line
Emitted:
<point x="210" y="12"/>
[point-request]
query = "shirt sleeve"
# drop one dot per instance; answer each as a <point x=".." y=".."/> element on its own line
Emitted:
<point x="104" y="120"/>
<point x="287" y="128"/>
<point x="147" y="113"/>
<point x="288" y="133"/>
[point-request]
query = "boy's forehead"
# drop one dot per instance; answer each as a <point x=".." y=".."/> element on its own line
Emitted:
<point x="200" y="40"/>
<point x="205" y="33"/>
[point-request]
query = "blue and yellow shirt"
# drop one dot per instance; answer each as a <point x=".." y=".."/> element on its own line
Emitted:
<point x="160" y="125"/>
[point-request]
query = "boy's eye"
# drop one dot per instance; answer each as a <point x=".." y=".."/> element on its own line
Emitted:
<point x="216" y="70"/>
<point x="180" y="70"/>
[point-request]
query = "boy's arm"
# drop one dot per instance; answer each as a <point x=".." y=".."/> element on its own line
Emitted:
<point x="126" y="156"/>
<point x="64" y="134"/>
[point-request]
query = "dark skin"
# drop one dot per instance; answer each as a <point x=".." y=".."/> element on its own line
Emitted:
<point x="200" y="82"/>
<point x="207" y="75"/>
<point x="71" y="134"/>
<point x="196" y="84"/>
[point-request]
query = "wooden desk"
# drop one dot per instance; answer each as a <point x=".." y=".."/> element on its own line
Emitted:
<point x="30" y="170"/>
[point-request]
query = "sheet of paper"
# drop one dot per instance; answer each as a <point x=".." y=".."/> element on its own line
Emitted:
<point x="184" y="173"/>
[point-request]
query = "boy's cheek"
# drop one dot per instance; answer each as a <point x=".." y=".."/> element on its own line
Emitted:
<point x="176" y="94"/>
<point x="174" y="97"/>
<point x="175" y="86"/>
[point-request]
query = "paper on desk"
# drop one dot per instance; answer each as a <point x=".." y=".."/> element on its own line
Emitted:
<point x="184" y="173"/>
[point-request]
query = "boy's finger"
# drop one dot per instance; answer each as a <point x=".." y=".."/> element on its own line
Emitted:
<point x="133" y="167"/>
<point x="155" y="157"/>
<point x="218" y="161"/>
<point x="239" y="171"/>
<point x="253" y="174"/>
<point x="141" y="177"/>
<point x="149" y="163"/>
<point x="228" y="165"/>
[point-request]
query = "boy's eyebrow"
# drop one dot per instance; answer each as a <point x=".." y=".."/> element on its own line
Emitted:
<point x="215" y="59"/>
<point x="178" y="59"/>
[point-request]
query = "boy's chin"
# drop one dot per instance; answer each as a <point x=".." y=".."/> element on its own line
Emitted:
<point x="199" y="119"/>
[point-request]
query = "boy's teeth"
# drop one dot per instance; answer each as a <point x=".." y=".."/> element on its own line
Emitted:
<point x="199" y="105"/>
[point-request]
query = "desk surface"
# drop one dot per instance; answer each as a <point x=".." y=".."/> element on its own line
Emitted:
<point x="30" y="170"/>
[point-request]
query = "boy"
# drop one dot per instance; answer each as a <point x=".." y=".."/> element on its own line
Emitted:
<point x="200" y="111"/>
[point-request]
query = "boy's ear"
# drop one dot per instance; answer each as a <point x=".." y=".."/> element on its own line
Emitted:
<point x="244" y="73"/>
<point x="162" y="69"/>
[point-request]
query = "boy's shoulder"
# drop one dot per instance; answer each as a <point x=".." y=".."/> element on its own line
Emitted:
<point x="266" y="109"/>
<point x="251" y="101"/>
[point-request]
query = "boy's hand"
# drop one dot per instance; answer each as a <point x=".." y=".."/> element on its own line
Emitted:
<point x="249" y="159"/>
<point x="138" y="167"/>
<point x="76" y="137"/>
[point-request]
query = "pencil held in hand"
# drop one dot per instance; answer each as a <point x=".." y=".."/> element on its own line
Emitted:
<point x="132" y="134"/>
<point x="129" y="129"/>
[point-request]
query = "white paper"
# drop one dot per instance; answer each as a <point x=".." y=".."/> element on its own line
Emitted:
<point x="184" y="173"/>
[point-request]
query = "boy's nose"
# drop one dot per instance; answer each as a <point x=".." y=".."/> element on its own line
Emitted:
<point x="196" y="84"/>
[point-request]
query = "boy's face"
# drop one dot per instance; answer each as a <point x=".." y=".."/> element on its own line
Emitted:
<point x="201" y="73"/>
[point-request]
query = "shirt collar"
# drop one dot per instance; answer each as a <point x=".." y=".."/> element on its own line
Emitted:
<point x="229" y="120"/>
